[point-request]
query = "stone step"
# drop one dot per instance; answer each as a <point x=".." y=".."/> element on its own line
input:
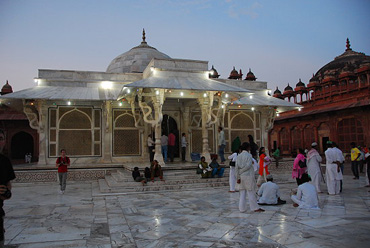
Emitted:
<point x="125" y="176"/>
<point x="121" y="181"/>
<point x="155" y="187"/>
<point x="111" y="182"/>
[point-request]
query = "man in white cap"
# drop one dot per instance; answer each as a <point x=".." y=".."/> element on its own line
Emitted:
<point x="313" y="165"/>
<point x="269" y="193"/>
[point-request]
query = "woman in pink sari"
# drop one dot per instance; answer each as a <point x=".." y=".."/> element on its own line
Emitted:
<point x="299" y="172"/>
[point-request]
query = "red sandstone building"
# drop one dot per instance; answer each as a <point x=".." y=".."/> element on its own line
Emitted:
<point x="336" y="106"/>
<point x="21" y="139"/>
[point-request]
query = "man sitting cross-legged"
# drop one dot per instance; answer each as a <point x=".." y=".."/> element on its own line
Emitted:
<point x="269" y="193"/>
<point x="306" y="195"/>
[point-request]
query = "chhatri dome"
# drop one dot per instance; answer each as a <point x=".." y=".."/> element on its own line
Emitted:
<point x="136" y="59"/>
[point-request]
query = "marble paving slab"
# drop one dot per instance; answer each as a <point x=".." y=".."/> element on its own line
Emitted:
<point x="37" y="216"/>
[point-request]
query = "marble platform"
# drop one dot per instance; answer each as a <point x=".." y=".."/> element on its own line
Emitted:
<point x="37" y="216"/>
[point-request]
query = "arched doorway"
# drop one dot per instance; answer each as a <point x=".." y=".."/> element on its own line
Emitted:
<point x="324" y="135"/>
<point x="21" y="144"/>
<point x="169" y="125"/>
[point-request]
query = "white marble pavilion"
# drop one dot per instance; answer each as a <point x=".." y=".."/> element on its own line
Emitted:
<point x="106" y="117"/>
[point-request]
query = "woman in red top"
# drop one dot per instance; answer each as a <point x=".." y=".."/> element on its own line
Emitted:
<point x="263" y="163"/>
<point x="62" y="164"/>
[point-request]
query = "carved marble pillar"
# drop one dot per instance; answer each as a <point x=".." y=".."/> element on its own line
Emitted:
<point x="36" y="114"/>
<point x="154" y="118"/>
<point x="185" y="129"/>
<point x="267" y="122"/>
<point x="107" y="133"/>
<point x="158" y="132"/>
<point x="42" y="111"/>
<point x="206" y="117"/>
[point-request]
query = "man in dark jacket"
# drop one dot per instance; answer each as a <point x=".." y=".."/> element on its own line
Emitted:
<point x="6" y="175"/>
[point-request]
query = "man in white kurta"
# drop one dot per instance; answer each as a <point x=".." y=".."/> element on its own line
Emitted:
<point x="269" y="193"/>
<point x="244" y="171"/>
<point x="306" y="196"/>
<point x="340" y="159"/>
<point x="313" y="166"/>
<point x="333" y="174"/>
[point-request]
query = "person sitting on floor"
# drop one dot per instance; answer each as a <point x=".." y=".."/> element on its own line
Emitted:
<point x="156" y="171"/>
<point x="216" y="168"/>
<point x="147" y="173"/>
<point x="206" y="170"/>
<point x="306" y="195"/>
<point x="269" y="193"/>
<point x="137" y="177"/>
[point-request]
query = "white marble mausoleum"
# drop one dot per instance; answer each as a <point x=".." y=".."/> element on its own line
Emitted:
<point x="106" y="117"/>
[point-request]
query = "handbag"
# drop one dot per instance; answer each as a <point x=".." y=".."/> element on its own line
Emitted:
<point x="232" y="163"/>
<point x="302" y="164"/>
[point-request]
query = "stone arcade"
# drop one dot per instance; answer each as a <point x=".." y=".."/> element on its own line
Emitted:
<point x="106" y="117"/>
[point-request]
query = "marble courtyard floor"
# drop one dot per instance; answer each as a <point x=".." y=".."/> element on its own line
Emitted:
<point x="37" y="216"/>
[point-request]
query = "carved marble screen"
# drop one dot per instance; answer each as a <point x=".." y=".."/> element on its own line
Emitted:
<point x="242" y="123"/>
<point x="76" y="129"/>
<point x="126" y="137"/>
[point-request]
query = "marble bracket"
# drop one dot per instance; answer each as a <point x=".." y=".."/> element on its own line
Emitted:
<point x="32" y="115"/>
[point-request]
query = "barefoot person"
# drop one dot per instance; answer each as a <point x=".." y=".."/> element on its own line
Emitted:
<point x="62" y="164"/>
<point x="306" y="195"/>
<point x="156" y="171"/>
<point x="245" y="177"/>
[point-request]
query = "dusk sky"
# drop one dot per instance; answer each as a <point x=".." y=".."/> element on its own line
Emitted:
<point x="281" y="41"/>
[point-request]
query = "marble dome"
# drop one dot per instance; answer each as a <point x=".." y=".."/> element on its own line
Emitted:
<point x="136" y="59"/>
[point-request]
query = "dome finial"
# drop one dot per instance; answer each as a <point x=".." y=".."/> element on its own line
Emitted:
<point x="348" y="45"/>
<point x="143" y="42"/>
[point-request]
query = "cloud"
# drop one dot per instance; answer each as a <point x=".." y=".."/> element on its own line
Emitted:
<point x="235" y="10"/>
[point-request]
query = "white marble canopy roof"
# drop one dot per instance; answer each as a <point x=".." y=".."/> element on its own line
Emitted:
<point x="66" y="93"/>
<point x="260" y="98"/>
<point x="185" y="83"/>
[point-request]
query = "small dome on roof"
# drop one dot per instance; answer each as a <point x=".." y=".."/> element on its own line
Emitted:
<point x="277" y="91"/>
<point x="136" y="59"/>
<point x="250" y="76"/>
<point x="213" y="73"/>
<point x="300" y="84"/>
<point x="6" y="89"/>
<point x="234" y="74"/>
<point x="288" y="88"/>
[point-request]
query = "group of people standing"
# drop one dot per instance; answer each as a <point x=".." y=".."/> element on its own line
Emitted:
<point x="243" y="165"/>
<point x="168" y="147"/>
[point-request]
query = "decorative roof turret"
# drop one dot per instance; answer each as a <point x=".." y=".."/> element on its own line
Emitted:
<point x="314" y="81"/>
<point x="288" y="88"/>
<point x="213" y="73"/>
<point x="348" y="45"/>
<point x="250" y="76"/>
<point x="300" y="86"/>
<point x="6" y="89"/>
<point x="277" y="93"/>
<point x="234" y="74"/>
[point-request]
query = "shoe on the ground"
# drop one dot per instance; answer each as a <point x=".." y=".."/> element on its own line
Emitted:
<point x="260" y="210"/>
